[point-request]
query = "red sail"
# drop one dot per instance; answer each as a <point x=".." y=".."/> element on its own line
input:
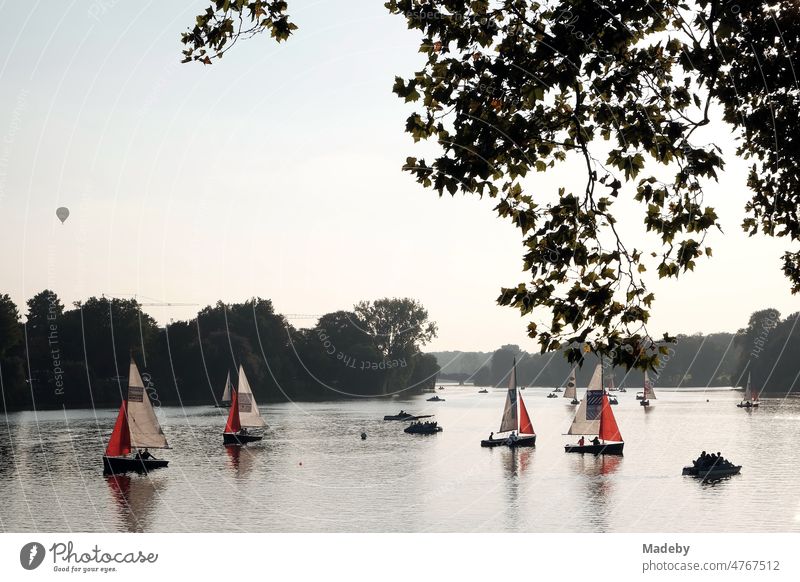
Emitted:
<point x="609" y="431"/>
<point x="233" y="424"/>
<point x="525" y="426"/>
<point x="120" y="442"/>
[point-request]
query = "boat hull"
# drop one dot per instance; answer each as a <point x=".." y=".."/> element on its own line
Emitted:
<point x="601" y="449"/>
<point x="523" y="441"/>
<point x="232" y="438"/>
<point x="644" y="403"/>
<point x="116" y="465"/>
<point x="713" y="473"/>
<point x="412" y="430"/>
<point x="747" y="405"/>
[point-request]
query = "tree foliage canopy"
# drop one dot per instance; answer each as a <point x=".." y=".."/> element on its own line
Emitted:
<point x="621" y="87"/>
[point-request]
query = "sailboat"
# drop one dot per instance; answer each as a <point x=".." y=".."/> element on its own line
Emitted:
<point x="648" y="394"/>
<point x="225" y="402"/>
<point x="595" y="417"/>
<point x="612" y="400"/>
<point x="244" y="414"/>
<point x="571" y="390"/>
<point x="136" y="428"/>
<point x="515" y="419"/>
<point x="750" y="397"/>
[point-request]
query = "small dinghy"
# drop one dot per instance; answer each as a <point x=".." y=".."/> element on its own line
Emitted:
<point x="648" y="394"/>
<point x="711" y="467"/>
<point x="423" y="428"/>
<point x="136" y="428"/>
<point x="612" y="400"/>
<point x="484" y="391"/>
<point x="557" y="390"/>
<point x="595" y="417"/>
<point x="515" y="420"/>
<point x="435" y="399"/>
<point x="244" y="414"/>
<point x="552" y="395"/>
<point x="750" y="399"/>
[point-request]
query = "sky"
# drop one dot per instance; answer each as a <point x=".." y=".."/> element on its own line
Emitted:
<point x="276" y="173"/>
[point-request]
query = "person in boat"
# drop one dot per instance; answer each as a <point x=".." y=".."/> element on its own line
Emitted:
<point x="581" y="441"/>
<point x="243" y="430"/>
<point x="595" y="441"/>
<point x="491" y="435"/>
<point x="142" y="456"/>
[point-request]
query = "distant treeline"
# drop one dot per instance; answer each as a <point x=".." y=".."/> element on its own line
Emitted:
<point x="768" y="348"/>
<point x="79" y="357"/>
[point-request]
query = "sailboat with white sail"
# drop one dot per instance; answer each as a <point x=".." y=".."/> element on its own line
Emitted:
<point x="571" y="390"/>
<point x="225" y="401"/>
<point x="648" y="394"/>
<point x="515" y="421"/>
<point x="137" y="427"/>
<point x="595" y="417"/>
<point x="243" y="415"/>
<point x="750" y="399"/>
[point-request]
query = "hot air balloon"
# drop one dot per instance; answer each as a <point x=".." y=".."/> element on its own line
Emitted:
<point x="62" y="213"/>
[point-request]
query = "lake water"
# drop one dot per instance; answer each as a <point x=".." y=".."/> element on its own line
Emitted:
<point x="313" y="473"/>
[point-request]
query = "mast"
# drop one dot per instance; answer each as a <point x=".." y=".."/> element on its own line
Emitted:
<point x="510" y="420"/>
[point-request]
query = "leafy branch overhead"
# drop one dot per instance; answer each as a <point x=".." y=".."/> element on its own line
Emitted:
<point x="224" y="22"/>
<point x="622" y="90"/>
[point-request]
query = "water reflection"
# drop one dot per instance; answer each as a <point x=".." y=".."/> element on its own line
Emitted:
<point x="240" y="461"/>
<point x="595" y="472"/>
<point x="515" y="465"/>
<point x="134" y="498"/>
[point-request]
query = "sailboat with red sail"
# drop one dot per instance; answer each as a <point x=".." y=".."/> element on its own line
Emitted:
<point x="750" y="399"/>
<point x="648" y="393"/>
<point x="595" y="417"/>
<point x="516" y="421"/>
<point x="136" y="428"/>
<point x="243" y="415"/>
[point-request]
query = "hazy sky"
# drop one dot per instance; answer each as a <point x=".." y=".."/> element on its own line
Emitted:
<point x="275" y="172"/>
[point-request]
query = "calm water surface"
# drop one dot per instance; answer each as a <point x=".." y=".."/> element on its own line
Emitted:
<point x="313" y="473"/>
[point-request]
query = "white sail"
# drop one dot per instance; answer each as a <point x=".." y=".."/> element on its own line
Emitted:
<point x="748" y="391"/>
<point x="571" y="391"/>
<point x="249" y="415"/>
<point x="596" y="383"/>
<point x="226" y="394"/>
<point x="587" y="417"/>
<point x="144" y="427"/>
<point x="509" y="421"/>
<point x="649" y="393"/>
